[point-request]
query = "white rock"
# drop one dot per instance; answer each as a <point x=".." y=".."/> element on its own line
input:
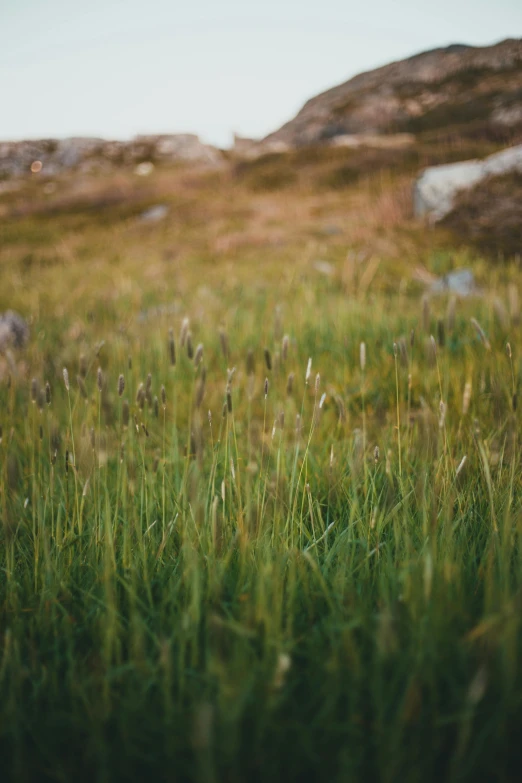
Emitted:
<point x="436" y="188"/>
<point x="155" y="214"/>
<point x="144" y="169"/>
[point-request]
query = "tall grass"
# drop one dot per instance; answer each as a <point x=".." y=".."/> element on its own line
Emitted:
<point x="316" y="580"/>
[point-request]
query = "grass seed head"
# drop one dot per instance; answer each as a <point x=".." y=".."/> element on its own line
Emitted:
<point x="140" y="397"/>
<point x="34" y="390"/>
<point x="481" y="333"/>
<point x="268" y="359"/>
<point x="81" y="386"/>
<point x="184" y="332"/>
<point x="223" y="340"/>
<point x="200" y="393"/>
<point x="99" y="380"/>
<point x="284" y="350"/>
<point x="65" y="378"/>
<point x="121" y="385"/>
<point x="190" y="348"/>
<point x="290" y="384"/>
<point x="466" y="398"/>
<point x="198" y="355"/>
<point x="341" y="408"/>
<point x="48" y="393"/>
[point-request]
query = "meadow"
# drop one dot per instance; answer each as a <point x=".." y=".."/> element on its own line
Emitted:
<point x="260" y="494"/>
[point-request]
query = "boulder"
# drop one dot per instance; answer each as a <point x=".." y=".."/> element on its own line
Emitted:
<point x="14" y="331"/>
<point x="436" y="188"/>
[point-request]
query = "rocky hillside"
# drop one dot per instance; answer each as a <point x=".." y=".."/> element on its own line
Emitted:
<point x="469" y="89"/>
<point x="52" y="156"/>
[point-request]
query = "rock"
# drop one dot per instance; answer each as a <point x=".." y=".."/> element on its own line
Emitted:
<point x="155" y="214"/>
<point x="437" y="187"/>
<point x="460" y="282"/>
<point x="251" y="149"/>
<point x="144" y="169"/>
<point x="50" y="157"/>
<point x="14" y="331"/>
<point x="182" y="147"/>
<point x="324" y="268"/>
<point x="392" y="141"/>
<point x="454" y="86"/>
<point x="488" y="216"/>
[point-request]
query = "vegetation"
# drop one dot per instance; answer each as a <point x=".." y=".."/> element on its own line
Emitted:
<point x="489" y="215"/>
<point x="304" y="568"/>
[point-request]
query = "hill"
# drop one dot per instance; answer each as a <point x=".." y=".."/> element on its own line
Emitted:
<point x="476" y="90"/>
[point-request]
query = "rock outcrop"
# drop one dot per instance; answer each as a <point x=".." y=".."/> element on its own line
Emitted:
<point x="53" y="156"/>
<point x="457" y="86"/>
<point x="436" y="189"/>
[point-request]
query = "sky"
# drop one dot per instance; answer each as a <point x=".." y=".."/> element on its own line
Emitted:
<point x="116" y="68"/>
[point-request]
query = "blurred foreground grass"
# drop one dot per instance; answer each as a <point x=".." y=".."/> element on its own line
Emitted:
<point x="304" y="568"/>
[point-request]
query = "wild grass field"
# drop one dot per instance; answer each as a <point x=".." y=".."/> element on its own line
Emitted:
<point x="260" y="495"/>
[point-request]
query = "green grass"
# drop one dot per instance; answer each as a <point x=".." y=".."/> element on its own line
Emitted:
<point x="298" y="588"/>
<point x="242" y="601"/>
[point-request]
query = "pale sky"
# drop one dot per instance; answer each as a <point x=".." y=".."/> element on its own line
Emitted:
<point x="115" y="68"/>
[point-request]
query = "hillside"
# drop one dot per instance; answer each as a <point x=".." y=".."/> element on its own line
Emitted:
<point x="477" y="90"/>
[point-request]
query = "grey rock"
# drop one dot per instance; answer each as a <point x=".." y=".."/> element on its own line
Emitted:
<point x="436" y="188"/>
<point x="400" y="94"/>
<point x="91" y="154"/>
<point x="155" y="214"/>
<point x="14" y="331"/>
<point x="460" y="282"/>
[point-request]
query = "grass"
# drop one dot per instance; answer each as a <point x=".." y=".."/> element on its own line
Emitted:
<point x="243" y="583"/>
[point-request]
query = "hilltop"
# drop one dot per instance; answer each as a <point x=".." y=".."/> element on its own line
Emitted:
<point x="471" y="90"/>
